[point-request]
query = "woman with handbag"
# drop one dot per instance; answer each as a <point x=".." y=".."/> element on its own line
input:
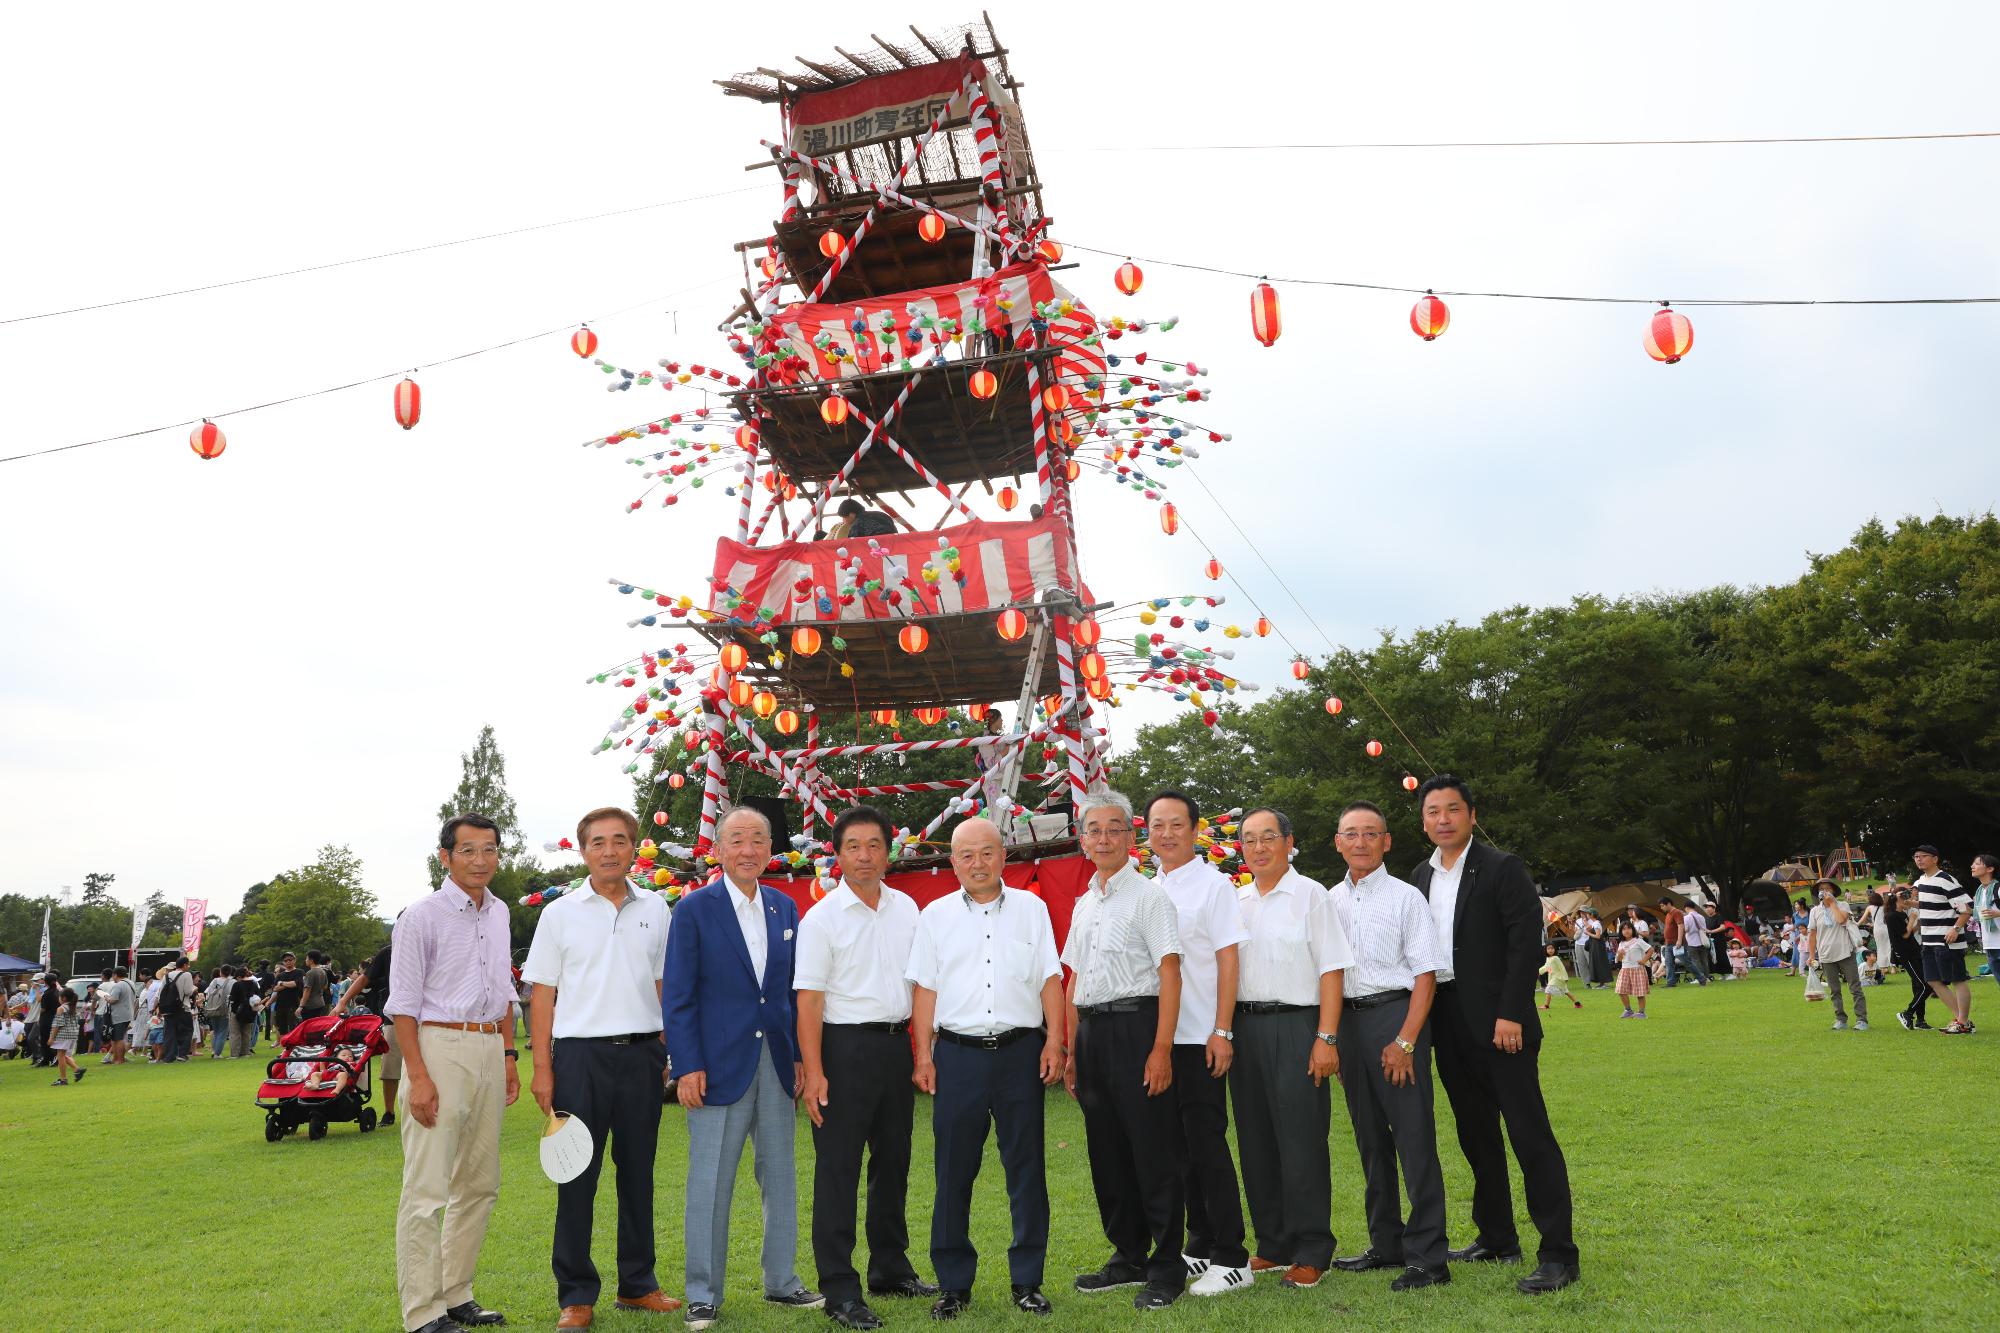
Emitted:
<point x="1832" y="943"/>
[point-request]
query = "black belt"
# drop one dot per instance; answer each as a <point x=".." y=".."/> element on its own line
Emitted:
<point x="900" y="1025"/>
<point x="988" y="1043"/>
<point x="1130" y="1005"/>
<point x="622" y="1039"/>
<point x="1447" y="987"/>
<point x="1271" y="1007"/>
<point x="1380" y="997"/>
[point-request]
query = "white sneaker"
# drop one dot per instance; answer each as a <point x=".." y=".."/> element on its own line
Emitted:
<point x="1219" y="1279"/>
<point x="1840" y="1025"/>
<point x="1195" y="1267"/>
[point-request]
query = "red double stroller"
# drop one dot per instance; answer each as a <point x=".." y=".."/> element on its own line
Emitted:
<point x="321" y="1076"/>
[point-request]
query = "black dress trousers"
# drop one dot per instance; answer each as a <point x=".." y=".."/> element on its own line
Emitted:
<point x="869" y="1103"/>
<point x="1485" y="1086"/>
<point x="1282" y="1119"/>
<point x="1394" y="1127"/>
<point x="1214" y="1208"/>
<point x="976" y="1086"/>
<point x="617" y="1090"/>
<point x="1136" y="1151"/>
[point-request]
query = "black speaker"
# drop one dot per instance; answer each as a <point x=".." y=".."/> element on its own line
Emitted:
<point x="779" y="811"/>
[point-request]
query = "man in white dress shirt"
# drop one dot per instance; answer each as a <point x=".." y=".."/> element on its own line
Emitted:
<point x="1288" y="1020"/>
<point x="1204" y="1041"/>
<point x="1387" y="999"/>
<point x="989" y="994"/>
<point x="1123" y="953"/>
<point x="594" y="1026"/>
<point x="854" y="1039"/>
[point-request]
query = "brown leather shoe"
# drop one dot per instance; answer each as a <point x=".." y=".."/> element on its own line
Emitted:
<point x="575" y="1316"/>
<point x="1259" y="1266"/>
<point x="1298" y="1275"/>
<point x="657" y="1301"/>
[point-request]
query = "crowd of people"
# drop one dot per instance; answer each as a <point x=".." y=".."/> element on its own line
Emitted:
<point x="170" y="1016"/>
<point x="1188" y="997"/>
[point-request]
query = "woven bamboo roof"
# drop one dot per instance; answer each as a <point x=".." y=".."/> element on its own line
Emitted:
<point x="922" y="47"/>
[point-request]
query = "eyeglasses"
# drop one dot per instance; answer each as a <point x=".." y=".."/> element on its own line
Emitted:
<point x="1264" y="840"/>
<point x="1362" y="835"/>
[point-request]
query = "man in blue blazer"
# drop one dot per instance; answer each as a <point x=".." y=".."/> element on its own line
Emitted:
<point x="732" y="1041"/>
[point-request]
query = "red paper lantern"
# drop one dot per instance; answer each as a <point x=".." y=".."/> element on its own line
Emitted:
<point x="1072" y="470"/>
<point x="1334" y="705"/>
<point x="1052" y="704"/>
<point x="913" y="639"/>
<point x="805" y="641"/>
<point x="1085" y="633"/>
<point x="763" y="703"/>
<point x="1669" y="336"/>
<point x="1170" y="519"/>
<point x="583" y="342"/>
<point x="741" y="693"/>
<point x="982" y="383"/>
<point x="1099" y="687"/>
<point x="1374" y="749"/>
<point x="1264" y="321"/>
<point x="1049" y="252"/>
<point x="1429" y="317"/>
<point x="1410" y="782"/>
<point x="1129" y="277"/>
<point x="1055" y="398"/>
<point x="1012" y="624"/>
<point x="676" y="780"/>
<point x="659" y="817"/>
<point x="833" y="409"/>
<point x="409" y="403"/>
<point x="1008" y="498"/>
<point x="831" y="243"/>
<point x="734" y="656"/>
<point x="930" y="717"/>
<point x="746" y="436"/>
<point x="1263" y="627"/>
<point x="1213" y="569"/>
<point x="208" y="440"/>
<point x="1091" y="664"/>
<point x="787" y="722"/>
<point x="1300" y="668"/>
<point x="768" y="267"/>
<point x="931" y="228"/>
<point x="885" y="717"/>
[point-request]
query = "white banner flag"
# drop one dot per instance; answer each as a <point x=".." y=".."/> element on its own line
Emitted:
<point x="139" y="914"/>
<point x="192" y="920"/>
<point x="45" y="939"/>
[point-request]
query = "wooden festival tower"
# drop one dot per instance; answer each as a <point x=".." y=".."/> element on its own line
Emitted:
<point x="908" y="346"/>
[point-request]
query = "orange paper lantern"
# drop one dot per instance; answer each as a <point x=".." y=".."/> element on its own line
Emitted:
<point x="677" y="780"/>
<point x="583" y="342"/>
<point x="1049" y="252"/>
<point x="833" y="409"/>
<point x="1085" y="633"/>
<point x="1410" y="782"/>
<point x="1263" y="627"/>
<point x="805" y="641"/>
<point x="1669" y="336"/>
<point x="208" y="440"/>
<point x="1129" y="278"/>
<point x="763" y="703"/>
<point x="1099" y="687"/>
<point x="931" y="228"/>
<point x="1091" y="664"/>
<point x="1429" y="317"/>
<point x="1374" y="749"/>
<point x="913" y="639"/>
<point x="1264" y="320"/>
<point x="734" y="656"/>
<point x="741" y="692"/>
<point x="1334" y="705"/>
<point x="831" y="243"/>
<point x="1213" y="569"/>
<point x="930" y="717"/>
<point x="1170" y="519"/>
<point x="1007" y="497"/>
<point x="885" y="717"/>
<point x="982" y="383"/>
<point x="409" y="403"/>
<point x="787" y="722"/>
<point x="746" y="436"/>
<point x="1012" y="624"/>
<point x="1300" y="668"/>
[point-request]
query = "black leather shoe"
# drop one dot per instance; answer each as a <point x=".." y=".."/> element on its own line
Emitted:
<point x="1548" y="1277"/>
<point x="853" y="1314"/>
<point x="1366" y="1260"/>
<point x="441" y="1324"/>
<point x="1479" y="1252"/>
<point x="909" y="1286"/>
<point x="1414" y="1278"/>
<point x="1110" y="1277"/>
<point x="1155" y="1296"/>
<point x="1029" y="1300"/>
<point x="951" y="1304"/>
<point x="474" y="1315"/>
<point x="803" y="1299"/>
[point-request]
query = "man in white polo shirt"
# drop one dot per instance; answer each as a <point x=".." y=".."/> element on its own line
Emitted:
<point x="1204" y="1042"/>
<point x="854" y="1040"/>
<point x="599" y="953"/>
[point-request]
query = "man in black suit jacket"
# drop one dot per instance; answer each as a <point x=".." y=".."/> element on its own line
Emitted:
<point x="1486" y="1035"/>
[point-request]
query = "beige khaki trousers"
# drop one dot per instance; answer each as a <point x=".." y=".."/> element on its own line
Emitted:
<point x="451" y="1169"/>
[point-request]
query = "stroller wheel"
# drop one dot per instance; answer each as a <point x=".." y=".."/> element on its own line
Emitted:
<point x="318" y="1130"/>
<point x="367" y="1119"/>
<point x="273" y="1131"/>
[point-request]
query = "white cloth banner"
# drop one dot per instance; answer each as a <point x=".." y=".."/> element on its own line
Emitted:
<point x="45" y="960"/>
<point x="139" y="915"/>
<point x="192" y="921"/>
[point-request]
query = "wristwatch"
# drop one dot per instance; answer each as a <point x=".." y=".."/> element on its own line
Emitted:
<point x="1331" y="1039"/>
<point x="1409" y="1047"/>
<point x="512" y="1053"/>
<point x="1223" y="1033"/>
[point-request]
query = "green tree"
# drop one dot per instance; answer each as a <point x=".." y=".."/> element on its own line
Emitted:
<point x="320" y="905"/>
<point x="97" y="890"/>
<point x="482" y="790"/>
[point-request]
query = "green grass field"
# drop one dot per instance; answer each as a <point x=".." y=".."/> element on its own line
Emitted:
<point x="1735" y="1164"/>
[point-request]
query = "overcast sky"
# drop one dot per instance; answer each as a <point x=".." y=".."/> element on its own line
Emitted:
<point x="211" y="669"/>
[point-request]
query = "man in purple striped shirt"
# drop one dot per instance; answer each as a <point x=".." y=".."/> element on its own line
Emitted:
<point x="451" y="995"/>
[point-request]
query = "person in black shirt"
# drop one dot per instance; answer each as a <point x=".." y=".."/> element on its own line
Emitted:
<point x="1899" y="913"/>
<point x="369" y="995"/>
<point x="242" y="1012"/>
<point x="313" y="985"/>
<point x="287" y="987"/>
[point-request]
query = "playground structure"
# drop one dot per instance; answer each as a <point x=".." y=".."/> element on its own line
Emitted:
<point x="905" y="345"/>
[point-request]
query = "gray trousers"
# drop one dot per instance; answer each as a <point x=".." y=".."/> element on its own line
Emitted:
<point x="764" y="1116"/>
<point x="1849" y="971"/>
<point x="1697" y="961"/>
<point x="1281" y="1126"/>
<point x="242" y="1034"/>
<point x="1394" y="1126"/>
